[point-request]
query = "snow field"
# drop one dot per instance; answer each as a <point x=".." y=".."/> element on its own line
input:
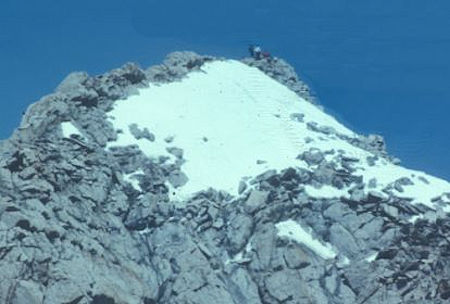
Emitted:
<point x="228" y="116"/>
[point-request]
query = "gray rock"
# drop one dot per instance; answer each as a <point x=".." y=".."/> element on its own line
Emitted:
<point x="297" y="117"/>
<point x="296" y="257"/>
<point x="324" y="174"/>
<point x="177" y="152"/>
<point x="242" y="288"/>
<point x="377" y="142"/>
<point x="375" y="197"/>
<point x="336" y="211"/>
<point x="281" y="71"/>
<point x="242" y="186"/>
<point x="27" y="292"/>
<point x="423" y="179"/>
<point x="371" y="160"/>
<point x="176" y="66"/>
<point x="40" y="117"/>
<point x="287" y="287"/>
<point x="313" y="126"/>
<point x="370" y="229"/>
<point x="239" y="231"/>
<point x="343" y="240"/>
<point x="178" y="178"/>
<point x="372" y="183"/>
<point x="391" y="211"/>
<point x="255" y="200"/>
<point x="139" y="134"/>
<point x="74" y="87"/>
<point x="73" y="82"/>
<point x="263" y="241"/>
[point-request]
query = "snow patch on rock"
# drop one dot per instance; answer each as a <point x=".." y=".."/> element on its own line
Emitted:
<point x="292" y="230"/>
<point x="131" y="178"/>
<point x="68" y="129"/>
<point x="326" y="191"/>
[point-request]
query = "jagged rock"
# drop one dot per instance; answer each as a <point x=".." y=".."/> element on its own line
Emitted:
<point x="281" y="71"/>
<point x="343" y="240"/>
<point x="177" y="152"/>
<point x="242" y="287"/>
<point x="312" y="157"/>
<point x="389" y="253"/>
<point x="26" y="292"/>
<point x="295" y="257"/>
<point x="73" y="86"/>
<point x="139" y="215"/>
<point x="263" y="241"/>
<point x="239" y="231"/>
<point x="320" y="129"/>
<point x="118" y="83"/>
<point x="391" y="211"/>
<point x="40" y="117"/>
<point x="178" y="178"/>
<point x="297" y="117"/>
<point x="287" y="287"/>
<point x="324" y="174"/>
<point x="377" y="142"/>
<point x="255" y="200"/>
<point x="242" y="187"/>
<point x="375" y="197"/>
<point x="74" y="230"/>
<point x="138" y="133"/>
<point x="132" y="73"/>
<point x="176" y="65"/>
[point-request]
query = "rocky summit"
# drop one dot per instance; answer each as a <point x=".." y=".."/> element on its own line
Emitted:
<point x="210" y="180"/>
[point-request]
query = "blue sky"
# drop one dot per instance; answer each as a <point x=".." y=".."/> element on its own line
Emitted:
<point x="380" y="67"/>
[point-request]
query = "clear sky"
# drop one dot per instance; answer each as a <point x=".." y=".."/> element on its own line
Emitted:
<point x="378" y="66"/>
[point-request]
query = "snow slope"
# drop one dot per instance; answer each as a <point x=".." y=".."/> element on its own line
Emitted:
<point x="232" y="121"/>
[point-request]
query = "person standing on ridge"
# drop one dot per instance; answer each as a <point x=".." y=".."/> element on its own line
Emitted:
<point x="255" y="51"/>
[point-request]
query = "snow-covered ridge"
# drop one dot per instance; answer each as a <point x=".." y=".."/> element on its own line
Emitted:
<point x="233" y="121"/>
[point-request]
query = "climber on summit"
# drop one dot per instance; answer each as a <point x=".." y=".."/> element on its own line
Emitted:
<point x="255" y="51"/>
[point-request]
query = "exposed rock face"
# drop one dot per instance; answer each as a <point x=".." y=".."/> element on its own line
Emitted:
<point x="281" y="71"/>
<point x="74" y="229"/>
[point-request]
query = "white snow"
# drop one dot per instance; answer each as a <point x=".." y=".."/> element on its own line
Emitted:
<point x="292" y="230"/>
<point x="372" y="257"/>
<point x="240" y="256"/>
<point x="414" y="218"/>
<point x="69" y="129"/>
<point x="131" y="178"/>
<point x="229" y="115"/>
<point x="326" y="192"/>
<point x="224" y="120"/>
<point x="421" y="192"/>
<point x="446" y="209"/>
<point x="345" y="261"/>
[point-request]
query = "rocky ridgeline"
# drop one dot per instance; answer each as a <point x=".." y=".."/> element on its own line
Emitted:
<point x="74" y="230"/>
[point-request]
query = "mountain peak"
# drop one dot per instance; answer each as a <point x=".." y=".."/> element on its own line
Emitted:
<point x="208" y="179"/>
